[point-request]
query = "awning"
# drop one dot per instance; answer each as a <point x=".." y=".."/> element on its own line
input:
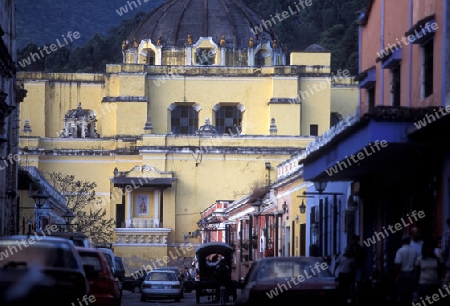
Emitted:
<point x="422" y="31"/>
<point x="358" y="151"/>
<point x="392" y="60"/>
<point x="135" y="182"/>
<point x="367" y="78"/>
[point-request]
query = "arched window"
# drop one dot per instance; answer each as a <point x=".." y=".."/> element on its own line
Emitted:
<point x="150" y="57"/>
<point x="184" y="120"/>
<point x="335" y="118"/>
<point x="259" y="58"/>
<point x="228" y="120"/>
<point x="205" y="56"/>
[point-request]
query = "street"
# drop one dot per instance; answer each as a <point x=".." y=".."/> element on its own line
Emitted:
<point x="134" y="299"/>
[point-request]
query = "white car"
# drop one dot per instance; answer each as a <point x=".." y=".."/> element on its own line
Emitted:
<point x="161" y="284"/>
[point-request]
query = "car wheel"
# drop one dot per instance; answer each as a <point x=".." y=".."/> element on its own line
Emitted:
<point x="143" y="299"/>
<point x="136" y="289"/>
<point x="182" y="295"/>
<point x="178" y="298"/>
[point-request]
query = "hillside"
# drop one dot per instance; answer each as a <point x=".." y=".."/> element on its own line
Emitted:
<point x="43" y="21"/>
<point x="102" y="25"/>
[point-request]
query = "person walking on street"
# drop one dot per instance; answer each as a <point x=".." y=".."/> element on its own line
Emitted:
<point x="428" y="270"/>
<point x="446" y="255"/>
<point x="360" y="255"/>
<point x="346" y="277"/>
<point x="416" y="244"/>
<point x="416" y="241"/>
<point x="405" y="259"/>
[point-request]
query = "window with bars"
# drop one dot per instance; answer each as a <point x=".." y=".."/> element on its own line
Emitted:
<point x="371" y="98"/>
<point x="228" y="120"/>
<point x="427" y="69"/>
<point x="395" y="85"/>
<point x="184" y="120"/>
<point x="314" y="130"/>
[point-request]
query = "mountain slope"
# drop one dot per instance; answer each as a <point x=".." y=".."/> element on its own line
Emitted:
<point x="43" y="21"/>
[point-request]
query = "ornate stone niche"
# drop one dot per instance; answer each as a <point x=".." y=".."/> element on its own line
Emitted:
<point x="79" y="123"/>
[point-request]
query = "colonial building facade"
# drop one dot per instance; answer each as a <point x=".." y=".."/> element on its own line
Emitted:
<point x="389" y="158"/>
<point x="198" y="107"/>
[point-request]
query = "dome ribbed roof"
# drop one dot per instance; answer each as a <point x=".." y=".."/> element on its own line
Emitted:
<point x="315" y="48"/>
<point x="177" y="19"/>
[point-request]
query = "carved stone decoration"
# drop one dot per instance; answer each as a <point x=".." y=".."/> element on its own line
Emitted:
<point x="79" y="123"/>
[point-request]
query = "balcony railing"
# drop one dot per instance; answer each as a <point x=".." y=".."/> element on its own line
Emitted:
<point x="143" y="236"/>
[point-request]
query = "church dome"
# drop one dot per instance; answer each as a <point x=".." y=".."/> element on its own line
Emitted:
<point x="315" y="48"/>
<point x="173" y="21"/>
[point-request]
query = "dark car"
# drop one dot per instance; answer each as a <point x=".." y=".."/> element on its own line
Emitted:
<point x="101" y="280"/>
<point x="39" y="270"/>
<point x="120" y="272"/>
<point x="289" y="281"/>
<point x="133" y="284"/>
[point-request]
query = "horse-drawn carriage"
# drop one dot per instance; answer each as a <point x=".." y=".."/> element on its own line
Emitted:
<point x="210" y="258"/>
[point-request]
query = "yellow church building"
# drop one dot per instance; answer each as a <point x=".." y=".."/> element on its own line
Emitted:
<point x="192" y="115"/>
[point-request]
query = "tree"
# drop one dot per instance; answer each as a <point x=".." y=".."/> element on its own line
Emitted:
<point x="80" y="195"/>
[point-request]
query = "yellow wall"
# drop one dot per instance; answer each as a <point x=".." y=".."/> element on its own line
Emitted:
<point x="206" y="168"/>
<point x="311" y="58"/>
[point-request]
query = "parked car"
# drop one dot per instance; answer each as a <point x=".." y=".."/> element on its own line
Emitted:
<point x="178" y="274"/>
<point x="289" y="281"/>
<point x="120" y="272"/>
<point x="39" y="270"/>
<point x="79" y="240"/>
<point x="101" y="280"/>
<point x="109" y="255"/>
<point x="110" y="259"/>
<point x="161" y="284"/>
<point x="133" y="284"/>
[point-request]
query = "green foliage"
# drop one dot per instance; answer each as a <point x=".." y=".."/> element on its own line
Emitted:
<point x="329" y="23"/>
<point x="89" y="58"/>
<point x="79" y="196"/>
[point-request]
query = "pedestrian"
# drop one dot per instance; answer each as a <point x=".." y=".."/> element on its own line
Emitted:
<point x="187" y="274"/>
<point x="346" y="276"/>
<point x="428" y="270"/>
<point x="193" y="270"/>
<point x="416" y="244"/>
<point x="405" y="259"/>
<point x="438" y="250"/>
<point x="360" y="255"/>
<point x="416" y="241"/>
<point x="446" y="254"/>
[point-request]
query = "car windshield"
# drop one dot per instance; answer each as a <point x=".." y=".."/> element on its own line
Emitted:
<point x="88" y="258"/>
<point x="108" y="259"/>
<point x="44" y="254"/>
<point x="288" y="269"/>
<point x="161" y="276"/>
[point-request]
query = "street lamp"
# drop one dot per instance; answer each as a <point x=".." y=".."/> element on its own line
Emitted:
<point x="302" y="208"/>
<point x="320" y="186"/>
<point x="39" y="198"/>
<point x="268" y="166"/>
<point x="285" y="207"/>
<point x="257" y="205"/>
<point x="68" y="217"/>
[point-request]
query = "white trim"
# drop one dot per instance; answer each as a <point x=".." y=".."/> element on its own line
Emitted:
<point x="141" y="244"/>
<point x="315" y="79"/>
<point x="149" y="230"/>
<point x="285" y="78"/>
<point x="84" y="160"/>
